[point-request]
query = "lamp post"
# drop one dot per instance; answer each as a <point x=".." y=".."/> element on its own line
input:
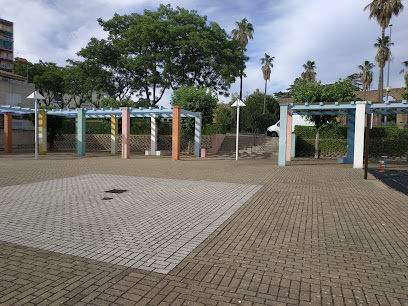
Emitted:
<point x="388" y="74"/>
<point x="237" y="104"/>
<point x="36" y="96"/>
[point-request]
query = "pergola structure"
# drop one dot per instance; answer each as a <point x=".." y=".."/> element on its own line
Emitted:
<point x="355" y="111"/>
<point x="80" y="115"/>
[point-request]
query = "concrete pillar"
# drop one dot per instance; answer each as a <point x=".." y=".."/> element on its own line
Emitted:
<point x="114" y="134"/>
<point x="154" y="136"/>
<point x="197" y="135"/>
<point x="282" y="133"/>
<point x="42" y="132"/>
<point x="293" y="149"/>
<point x="351" y="125"/>
<point x="402" y="121"/>
<point x="359" y="134"/>
<point x="176" y="141"/>
<point x="351" y="129"/>
<point x="80" y="132"/>
<point x="8" y="132"/>
<point x="125" y="132"/>
<point x="289" y="136"/>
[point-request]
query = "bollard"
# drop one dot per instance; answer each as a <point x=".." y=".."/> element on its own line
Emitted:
<point x="382" y="166"/>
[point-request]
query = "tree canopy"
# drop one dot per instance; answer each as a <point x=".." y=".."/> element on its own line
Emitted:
<point x="168" y="48"/>
<point x="196" y="100"/>
<point x="308" y="91"/>
<point x="47" y="76"/>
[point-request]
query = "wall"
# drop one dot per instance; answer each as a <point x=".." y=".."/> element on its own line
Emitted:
<point x="217" y="140"/>
<point x="23" y="141"/>
<point x="16" y="87"/>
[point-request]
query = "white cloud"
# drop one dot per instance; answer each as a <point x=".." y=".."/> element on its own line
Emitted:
<point x="337" y="35"/>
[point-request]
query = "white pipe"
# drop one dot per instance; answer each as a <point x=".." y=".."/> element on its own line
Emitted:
<point x="236" y="142"/>
<point x="36" y="127"/>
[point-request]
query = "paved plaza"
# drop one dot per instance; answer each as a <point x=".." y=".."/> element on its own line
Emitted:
<point x="153" y="225"/>
<point x="199" y="231"/>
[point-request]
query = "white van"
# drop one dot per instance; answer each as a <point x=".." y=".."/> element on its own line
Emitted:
<point x="273" y="130"/>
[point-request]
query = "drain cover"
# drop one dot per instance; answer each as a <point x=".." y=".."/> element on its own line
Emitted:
<point x="116" y="191"/>
<point x="105" y="198"/>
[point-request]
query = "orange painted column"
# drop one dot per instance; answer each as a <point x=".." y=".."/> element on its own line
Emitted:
<point x="175" y="154"/>
<point x="289" y="137"/>
<point x="8" y="134"/>
<point x="125" y="132"/>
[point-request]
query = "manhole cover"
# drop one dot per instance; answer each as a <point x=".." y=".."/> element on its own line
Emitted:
<point x="105" y="198"/>
<point x="116" y="191"/>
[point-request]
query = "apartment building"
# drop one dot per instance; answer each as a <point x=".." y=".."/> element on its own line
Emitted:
<point x="6" y="45"/>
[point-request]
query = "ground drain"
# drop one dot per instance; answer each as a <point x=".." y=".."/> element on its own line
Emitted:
<point x="116" y="191"/>
<point x="105" y="198"/>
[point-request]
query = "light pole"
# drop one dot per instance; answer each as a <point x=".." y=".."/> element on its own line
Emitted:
<point x="388" y="74"/>
<point x="36" y="96"/>
<point x="237" y="104"/>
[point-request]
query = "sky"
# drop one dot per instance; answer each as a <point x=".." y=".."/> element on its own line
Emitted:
<point x="337" y="35"/>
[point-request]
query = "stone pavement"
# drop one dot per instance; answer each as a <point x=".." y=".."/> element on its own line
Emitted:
<point x="315" y="233"/>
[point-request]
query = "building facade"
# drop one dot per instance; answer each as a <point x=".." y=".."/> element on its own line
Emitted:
<point x="6" y="45"/>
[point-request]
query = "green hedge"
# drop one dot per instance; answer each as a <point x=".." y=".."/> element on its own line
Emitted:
<point x="214" y="128"/>
<point x="340" y="132"/>
<point x="378" y="147"/>
<point x="326" y="132"/>
<point x="306" y="146"/>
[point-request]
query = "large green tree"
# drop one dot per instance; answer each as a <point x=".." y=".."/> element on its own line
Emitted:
<point x="242" y="33"/>
<point x="86" y="82"/>
<point x="405" y="94"/>
<point x="405" y="69"/>
<point x="383" y="54"/>
<point x="196" y="100"/>
<point x="382" y="11"/>
<point x="308" y="91"/>
<point x="252" y="118"/>
<point x="309" y="73"/>
<point x="366" y="76"/>
<point x="266" y="71"/>
<point x="47" y="77"/>
<point x="167" y="48"/>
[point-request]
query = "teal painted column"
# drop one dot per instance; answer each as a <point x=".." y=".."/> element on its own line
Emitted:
<point x="293" y="149"/>
<point x="80" y="132"/>
<point x="351" y="126"/>
<point x="197" y="135"/>
<point x="283" y="133"/>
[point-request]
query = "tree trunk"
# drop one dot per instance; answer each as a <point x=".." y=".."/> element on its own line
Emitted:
<point x="265" y="98"/>
<point x="317" y="141"/>
<point x="381" y="78"/>
<point x="240" y="89"/>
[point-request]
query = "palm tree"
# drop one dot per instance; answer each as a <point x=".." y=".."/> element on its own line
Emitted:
<point x="383" y="54"/>
<point x="366" y="75"/>
<point x="383" y="10"/>
<point x="242" y="33"/>
<point x="266" y="70"/>
<point x="309" y="73"/>
<point x="406" y="72"/>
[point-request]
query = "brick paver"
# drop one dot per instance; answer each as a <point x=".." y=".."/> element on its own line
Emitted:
<point x="313" y="234"/>
<point x="153" y="225"/>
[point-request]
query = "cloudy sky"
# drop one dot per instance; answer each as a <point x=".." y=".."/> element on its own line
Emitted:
<point x="337" y="35"/>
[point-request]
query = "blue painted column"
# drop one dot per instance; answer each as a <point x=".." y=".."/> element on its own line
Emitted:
<point x="351" y="128"/>
<point x="80" y="132"/>
<point x="197" y="135"/>
<point x="293" y="149"/>
<point x="283" y="133"/>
